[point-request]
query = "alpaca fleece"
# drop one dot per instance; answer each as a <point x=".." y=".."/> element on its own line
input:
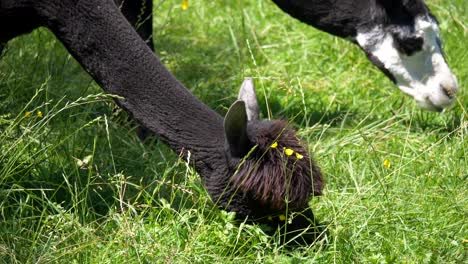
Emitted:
<point x="271" y="178"/>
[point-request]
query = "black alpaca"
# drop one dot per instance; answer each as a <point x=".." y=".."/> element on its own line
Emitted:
<point x="234" y="155"/>
<point x="400" y="37"/>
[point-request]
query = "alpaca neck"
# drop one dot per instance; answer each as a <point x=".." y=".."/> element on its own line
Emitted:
<point x="340" y="18"/>
<point x="105" y="44"/>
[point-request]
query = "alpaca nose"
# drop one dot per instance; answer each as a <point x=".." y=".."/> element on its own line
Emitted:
<point x="449" y="88"/>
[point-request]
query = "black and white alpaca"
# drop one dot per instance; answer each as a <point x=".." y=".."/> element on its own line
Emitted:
<point x="234" y="156"/>
<point x="400" y="37"/>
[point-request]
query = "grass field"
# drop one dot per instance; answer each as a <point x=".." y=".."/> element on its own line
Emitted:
<point x="77" y="185"/>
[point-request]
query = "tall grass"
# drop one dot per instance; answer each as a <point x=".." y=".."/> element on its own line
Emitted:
<point x="77" y="185"/>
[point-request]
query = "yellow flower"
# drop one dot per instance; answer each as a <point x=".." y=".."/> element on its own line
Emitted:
<point x="299" y="156"/>
<point x="288" y="151"/>
<point x="39" y="114"/>
<point x="386" y="163"/>
<point x="184" y="4"/>
<point x="27" y="114"/>
<point x="274" y="145"/>
<point x="282" y="217"/>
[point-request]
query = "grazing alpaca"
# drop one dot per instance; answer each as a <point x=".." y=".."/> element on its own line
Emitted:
<point x="400" y="37"/>
<point x="240" y="159"/>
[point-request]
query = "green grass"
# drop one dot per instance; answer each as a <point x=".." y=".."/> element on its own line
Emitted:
<point x="78" y="186"/>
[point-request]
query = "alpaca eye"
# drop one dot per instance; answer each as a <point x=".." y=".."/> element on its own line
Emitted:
<point x="408" y="45"/>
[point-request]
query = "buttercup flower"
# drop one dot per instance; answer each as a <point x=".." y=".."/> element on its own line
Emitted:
<point x="288" y="151"/>
<point x="39" y="114"/>
<point x="386" y="163"/>
<point x="274" y="145"/>
<point x="184" y="4"/>
<point x="299" y="156"/>
<point x="27" y="114"/>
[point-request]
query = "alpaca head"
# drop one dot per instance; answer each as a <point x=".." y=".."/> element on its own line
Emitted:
<point x="406" y="46"/>
<point x="274" y="171"/>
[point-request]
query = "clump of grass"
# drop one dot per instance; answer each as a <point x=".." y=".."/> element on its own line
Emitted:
<point x="77" y="185"/>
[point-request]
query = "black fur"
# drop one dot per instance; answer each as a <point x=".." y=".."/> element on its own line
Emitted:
<point x="341" y="18"/>
<point x="110" y="50"/>
<point x="274" y="180"/>
<point x="344" y="18"/>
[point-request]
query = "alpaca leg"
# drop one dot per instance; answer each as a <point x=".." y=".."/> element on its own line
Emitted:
<point x="140" y="15"/>
<point x="14" y="23"/>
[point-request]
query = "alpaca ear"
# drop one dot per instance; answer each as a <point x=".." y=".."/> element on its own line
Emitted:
<point x="235" y="129"/>
<point x="247" y="94"/>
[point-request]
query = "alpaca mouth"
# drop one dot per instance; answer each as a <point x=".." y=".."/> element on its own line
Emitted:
<point x="433" y="101"/>
<point x="447" y="91"/>
<point x="431" y="106"/>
